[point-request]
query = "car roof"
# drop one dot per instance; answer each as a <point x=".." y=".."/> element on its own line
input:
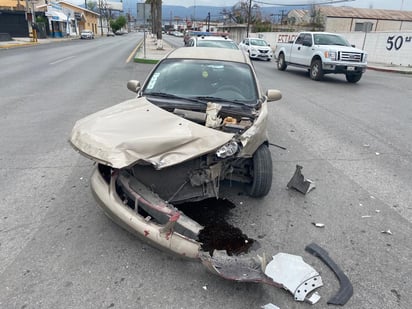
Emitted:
<point x="213" y="38"/>
<point x="212" y="53"/>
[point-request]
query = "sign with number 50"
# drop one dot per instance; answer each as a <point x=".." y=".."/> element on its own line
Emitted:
<point x="396" y="42"/>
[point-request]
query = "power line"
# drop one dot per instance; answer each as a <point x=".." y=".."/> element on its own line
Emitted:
<point x="302" y="4"/>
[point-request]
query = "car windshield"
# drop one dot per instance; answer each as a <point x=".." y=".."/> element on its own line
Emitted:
<point x="330" y="39"/>
<point x="204" y="80"/>
<point x="219" y="44"/>
<point x="258" y="42"/>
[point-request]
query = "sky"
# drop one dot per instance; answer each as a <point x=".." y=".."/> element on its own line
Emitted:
<point x="406" y="5"/>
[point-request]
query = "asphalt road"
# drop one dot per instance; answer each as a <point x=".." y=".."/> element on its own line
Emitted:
<point x="58" y="250"/>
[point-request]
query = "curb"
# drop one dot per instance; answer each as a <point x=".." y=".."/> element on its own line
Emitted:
<point x="14" y="45"/>
<point x="389" y="70"/>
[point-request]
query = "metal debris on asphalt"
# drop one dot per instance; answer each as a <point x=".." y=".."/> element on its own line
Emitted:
<point x="313" y="299"/>
<point x="318" y="224"/>
<point x="299" y="182"/>
<point x="387" y="232"/>
<point x="270" y="306"/>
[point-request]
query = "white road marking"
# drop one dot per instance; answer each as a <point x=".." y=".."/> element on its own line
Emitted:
<point x="61" y="60"/>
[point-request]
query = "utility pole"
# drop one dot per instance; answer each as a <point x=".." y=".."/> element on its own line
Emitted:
<point x="208" y="22"/>
<point x="248" y="18"/>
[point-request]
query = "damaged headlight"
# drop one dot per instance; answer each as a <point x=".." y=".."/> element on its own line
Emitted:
<point x="227" y="150"/>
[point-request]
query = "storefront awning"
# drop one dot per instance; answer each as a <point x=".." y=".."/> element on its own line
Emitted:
<point x="57" y="16"/>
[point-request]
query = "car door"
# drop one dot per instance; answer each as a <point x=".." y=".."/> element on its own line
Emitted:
<point x="296" y="49"/>
<point x="306" y="50"/>
<point x="245" y="45"/>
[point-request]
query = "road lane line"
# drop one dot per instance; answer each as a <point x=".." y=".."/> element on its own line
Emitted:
<point x="132" y="53"/>
<point x="61" y="60"/>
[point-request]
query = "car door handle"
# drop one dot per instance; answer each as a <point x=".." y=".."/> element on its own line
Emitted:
<point x="299" y="48"/>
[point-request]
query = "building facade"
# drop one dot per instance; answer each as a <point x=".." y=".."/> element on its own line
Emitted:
<point x="348" y="19"/>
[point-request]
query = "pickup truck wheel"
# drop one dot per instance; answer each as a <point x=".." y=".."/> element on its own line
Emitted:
<point x="261" y="172"/>
<point x="316" y="72"/>
<point x="281" y="63"/>
<point x="353" y="78"/>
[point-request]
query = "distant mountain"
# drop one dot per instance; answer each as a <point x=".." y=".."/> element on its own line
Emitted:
<point x="177" y="12"/>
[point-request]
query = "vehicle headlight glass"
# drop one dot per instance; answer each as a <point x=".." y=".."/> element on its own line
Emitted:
<point x="227" y="150"/>
<point x="331" y="54"/>
<point x="253" y="49"/>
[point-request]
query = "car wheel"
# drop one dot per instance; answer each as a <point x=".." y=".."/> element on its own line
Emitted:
<point x="281" y="62"/>
<point x="261" y="172"/>
<point x="353" y="78"/>
<point x="316" y="72"/>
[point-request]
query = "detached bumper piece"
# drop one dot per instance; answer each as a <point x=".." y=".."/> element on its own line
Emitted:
<point x="285" y="271"/>
<point x="346" y="290"/>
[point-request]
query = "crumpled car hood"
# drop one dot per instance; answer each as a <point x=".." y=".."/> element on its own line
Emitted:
<point x="137" y="130"/>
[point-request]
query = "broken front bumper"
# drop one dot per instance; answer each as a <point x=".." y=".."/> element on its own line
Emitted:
<point x="165" y="227"/>
<point x="162" y="236"/>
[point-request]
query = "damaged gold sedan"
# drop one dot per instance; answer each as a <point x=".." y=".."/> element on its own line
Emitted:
<point x="199" y="119"/>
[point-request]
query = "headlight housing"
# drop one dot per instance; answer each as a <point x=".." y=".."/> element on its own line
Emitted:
<point x="331" y="54"/>
<point x="227" y="150"/>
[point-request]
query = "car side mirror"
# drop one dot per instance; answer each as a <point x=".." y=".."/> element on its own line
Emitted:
<point x="273" y="95"/>
<point x="133" y="85"/>
<point x="353" y="45"/>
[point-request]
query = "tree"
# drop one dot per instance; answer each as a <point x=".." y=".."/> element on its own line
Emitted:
<point x="118" y="23"/>
<point x="156" y="12"/>
<point x="91" y="5"/>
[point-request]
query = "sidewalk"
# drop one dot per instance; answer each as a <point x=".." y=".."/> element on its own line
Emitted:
<point x="151" y="53"/>
<point x="19" y="42"/>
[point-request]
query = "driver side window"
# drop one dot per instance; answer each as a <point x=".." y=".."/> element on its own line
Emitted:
<point x="299" y="40"/>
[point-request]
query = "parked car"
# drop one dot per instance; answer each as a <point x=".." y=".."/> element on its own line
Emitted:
<point x="110" y="33"/>
<point x="199" y="118"/>
<point x="257" y="48"/>
<point x="86" y="34"/>
<point x="322" y="53"/>
<point x="121" y="32"/>
<point x="177" y="33"/>
<point x="212" y="41"/>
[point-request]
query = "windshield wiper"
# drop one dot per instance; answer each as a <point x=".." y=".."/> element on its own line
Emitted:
<point x="173" y="96"/>
<point x="235" y="103"/>
<point x="217" y="99"/>
<point x="163" y="95"/>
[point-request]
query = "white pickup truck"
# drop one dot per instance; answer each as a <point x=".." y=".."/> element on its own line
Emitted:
<point x="322" y="53"/>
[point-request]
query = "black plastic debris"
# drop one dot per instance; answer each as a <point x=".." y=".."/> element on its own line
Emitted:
<point x="346" y="289"/>
<point x="299" y="183"/>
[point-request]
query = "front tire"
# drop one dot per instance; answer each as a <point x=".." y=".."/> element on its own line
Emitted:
<point x="353" y="78"/>
<point x="281" y="63"/>
<point x="261" y="172"/>
<point x="316" y="72"/>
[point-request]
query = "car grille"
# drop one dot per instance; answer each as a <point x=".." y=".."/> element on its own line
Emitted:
<point x="263" y="51"/>
<point x="351" y="57"/>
